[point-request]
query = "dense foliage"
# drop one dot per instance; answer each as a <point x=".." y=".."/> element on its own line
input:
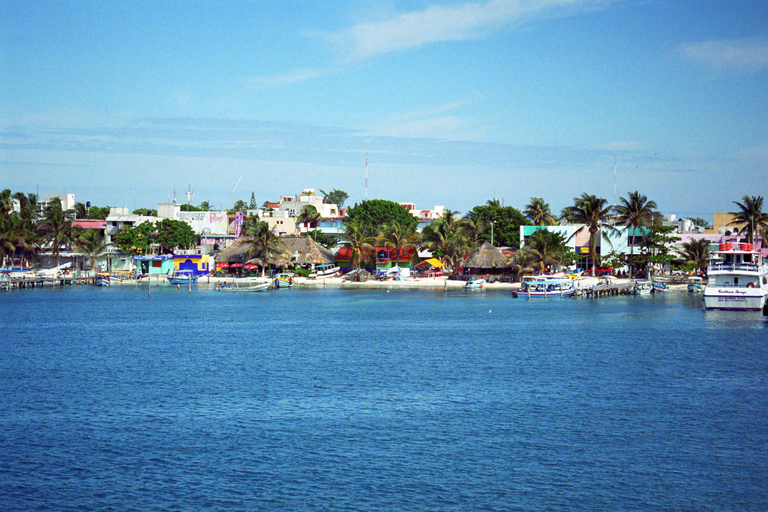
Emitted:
<point x="375" y="213"/>
<point x="505" y="220"/>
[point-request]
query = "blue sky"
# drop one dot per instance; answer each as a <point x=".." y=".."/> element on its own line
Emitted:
<point x="454" y="102"/>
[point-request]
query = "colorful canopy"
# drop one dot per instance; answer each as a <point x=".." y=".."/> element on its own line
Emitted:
<point x="432" y="261"/>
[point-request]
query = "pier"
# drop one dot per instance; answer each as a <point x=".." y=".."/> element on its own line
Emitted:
<point x="18" y="283"/>
<point x="610" y="290"/>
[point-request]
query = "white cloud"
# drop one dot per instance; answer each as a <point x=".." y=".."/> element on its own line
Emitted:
<point x="740" y="55"/>
<point x="299" y="75"/>
<point x="449" y="23"/>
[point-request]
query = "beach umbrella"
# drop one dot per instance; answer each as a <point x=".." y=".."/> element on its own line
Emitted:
<point x="224" y="265"/>
<point x="236" y="265"/>
<point x="250" y="266"/>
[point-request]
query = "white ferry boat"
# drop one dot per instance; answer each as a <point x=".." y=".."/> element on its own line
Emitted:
<point x="737" y="278"/>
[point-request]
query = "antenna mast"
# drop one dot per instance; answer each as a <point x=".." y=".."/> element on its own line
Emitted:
<point x="614" y="178"/>
<point x="189" y="193"/>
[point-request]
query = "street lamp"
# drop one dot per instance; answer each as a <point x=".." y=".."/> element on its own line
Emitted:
<point x="492" y="223"/>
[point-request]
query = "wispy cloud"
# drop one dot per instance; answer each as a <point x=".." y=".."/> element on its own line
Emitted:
<point x="439" y="122"/>
<point x="299" y="75"/>
<point x="449" y="23"/>
<point x="737" y="55"/>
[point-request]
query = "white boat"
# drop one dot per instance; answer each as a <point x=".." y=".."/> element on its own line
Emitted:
<point x="473" y="284"/>
<point x="324" y="271"/>
<point x="103" y="279"/>
<point x="695" y="284"/>
<point x="737" y="279"/>
<point x="642" y="287"/>
<point x="545" y="286"/>
<point x="182" y="277"/>
<point x="236" y="287"/>
<point x="659" y="287"/>
<point x="389" y="274"/>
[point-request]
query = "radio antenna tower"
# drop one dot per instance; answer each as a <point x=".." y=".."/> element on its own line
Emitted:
<point x="189" y="193"/>
<point x="366" y="175"/>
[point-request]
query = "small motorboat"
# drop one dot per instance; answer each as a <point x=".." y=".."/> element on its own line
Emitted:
<point x="474" y="284"/>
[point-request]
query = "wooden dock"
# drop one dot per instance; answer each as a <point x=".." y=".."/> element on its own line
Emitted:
<point x="610" y="290"/>
<point x="18" y="283"/>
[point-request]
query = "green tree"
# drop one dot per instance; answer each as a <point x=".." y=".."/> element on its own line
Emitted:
<point x="593" y="212"/>
<point x="205" y="206"/>
<point x="57" y="226"/>
<point x="539" y="213"/>
<point x="98" y="212"/>
<point x="546" y="248"/>
<point x="398" y="237"/>
<point x="135" y="240"/>
<point x="751" y="214"/>
<point x="239" y="206"/>
<point x="81" y="211"/>
<point x="92" y="244"/>
<point x="447" y="238"/>
<point x="359" y="239"/>
<point x="175" y="234"/>
<point x="308" y="216"/>
<point x="6" y="202"/>
<point x="698" y="222"/>
<point x="375" y="213"/>
<point x="189" y="208"/>
<point x="253" y="205"/>
<point x="337" y="197"/>
<point x="504" y="224"/>
<point x="145" y="212"/>
<point x="265" y="242"/>
<point x="657" y="249"/>
<point x="696" y="253"/>
<point x="635" y="212"/>
<point x="327" y="241"/>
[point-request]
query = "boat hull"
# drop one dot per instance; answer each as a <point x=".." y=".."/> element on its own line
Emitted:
<point x="738" y="299"/>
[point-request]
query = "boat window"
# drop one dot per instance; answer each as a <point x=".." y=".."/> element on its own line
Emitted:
<point x="736" y="281"/>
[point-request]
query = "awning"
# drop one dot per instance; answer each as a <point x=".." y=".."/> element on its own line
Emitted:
<point x="432" y="261"/>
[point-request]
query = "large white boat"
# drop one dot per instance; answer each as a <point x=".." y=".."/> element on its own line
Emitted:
<point x="737" y="278"/>
<point x="546" y="286"/>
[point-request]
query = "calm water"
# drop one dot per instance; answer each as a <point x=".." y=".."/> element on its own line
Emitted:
<point x="373" y="400"/>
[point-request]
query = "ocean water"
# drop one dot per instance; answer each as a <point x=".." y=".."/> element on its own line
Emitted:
<point x="400" y="400"/>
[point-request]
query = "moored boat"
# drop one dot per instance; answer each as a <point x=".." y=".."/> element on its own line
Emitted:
<point x="473" y="284"/>
<point x="324" y="271"/>
<point x="236" y="287"/>
<point x="642" y="287"/>
<point x="182" y="277"/>
<point x="544" y="287"/>
<point x="284" y="280"/>
<point x="103" y="279"/>
<point x="695" y="284"/>
<point x="737" y="278"/>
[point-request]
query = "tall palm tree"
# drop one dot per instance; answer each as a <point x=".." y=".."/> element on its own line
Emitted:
<point x="81" y="212"/>
<point x="58" y="228"/>
<point x="472" y="228"/>
<point x="308" y="216"/>
<point x="593" y="212"/>
<point x="634" y="212"/>
<point x="751" y="214"/>
<point x="493" y="202"/>
<point x="542" y="249"/>
<point x="358" y="239"/>
<point x="264" y="242"/>
<point x="447" y="237"/>
<point x="539" y="212"/>
<point x="696" y="252"/>
<point x="93" y="244"/>
<point x="399" y="237"/>
<point x="6" y="202"/>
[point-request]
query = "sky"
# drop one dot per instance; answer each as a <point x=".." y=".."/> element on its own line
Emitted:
<point x="446" y="103"/>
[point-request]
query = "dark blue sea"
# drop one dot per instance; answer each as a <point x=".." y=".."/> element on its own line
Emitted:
<point x="400" y="400"/>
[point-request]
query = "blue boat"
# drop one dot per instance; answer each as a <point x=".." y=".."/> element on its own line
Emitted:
<point x="182" y="277"/>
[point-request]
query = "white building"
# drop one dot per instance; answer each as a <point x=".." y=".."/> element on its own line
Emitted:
<point x="67" y="200"/>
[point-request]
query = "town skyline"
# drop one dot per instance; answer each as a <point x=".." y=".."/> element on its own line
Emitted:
<point x="450" y="103"/>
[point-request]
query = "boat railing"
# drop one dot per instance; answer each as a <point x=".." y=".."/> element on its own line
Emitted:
<point x="731" y="267"/>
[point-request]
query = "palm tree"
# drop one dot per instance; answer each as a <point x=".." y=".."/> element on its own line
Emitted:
<point x="446" y="237"/>
<point x="398" y="236"/>
<point x="358" y="239"/>
<point x="92" y="243"/>
<point x="544" y="248"/>
<point x="539" y="212"/>
<point x="751" y="214"/>
<point x="493" y="202"/>
<point x="58" y="228"/>
<point x="472" y="228"/>
<point x="81" y="212"/>
<point x="308" y="216"/>
<point x="264" y="242"/>
<point x="6" y="202"/>
<point x="634" y="212"/>
<point x="593" y="212"/>
<point x="696" y="252"/>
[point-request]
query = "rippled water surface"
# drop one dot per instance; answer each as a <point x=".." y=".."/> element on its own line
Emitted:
<point x="378" y="400"/>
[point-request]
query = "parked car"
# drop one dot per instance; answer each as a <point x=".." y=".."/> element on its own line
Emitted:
<point x="603" y="271"/>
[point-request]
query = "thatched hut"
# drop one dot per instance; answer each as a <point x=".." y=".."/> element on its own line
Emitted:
<point x="293" y="251"/>
<point x="486" y="259"/>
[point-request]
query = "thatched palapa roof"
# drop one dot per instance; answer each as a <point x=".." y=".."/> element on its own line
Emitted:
<point x="486" y="256"/>
<point x="292" y="251"/>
